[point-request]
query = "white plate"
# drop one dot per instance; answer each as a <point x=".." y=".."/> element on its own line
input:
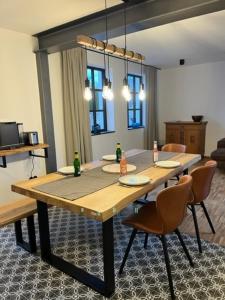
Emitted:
<point x="109" y="157"/>
<point x="134" y="180"/>
<point x="69" y="170"/>
<point x="115" y="168"/>
<point x="167" y="164"/>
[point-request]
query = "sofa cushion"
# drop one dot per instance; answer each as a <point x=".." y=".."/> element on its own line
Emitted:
<point x="221" y="143"/>
<point x="219" y="154"/>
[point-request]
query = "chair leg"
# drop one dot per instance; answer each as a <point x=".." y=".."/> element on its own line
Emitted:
<point x="168" y="269"/>
<point x="146" y="196"/>
<point x="208" y="218"/>
<point x="196" y="228"/>
<point x="166" y="184"/>
<point x="133" y="234"/>
<point x="146" y="241"/>
<point x="178" y="177"/>
<point x="184" y="247"/>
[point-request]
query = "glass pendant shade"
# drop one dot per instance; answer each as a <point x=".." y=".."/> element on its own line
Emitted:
<point x="126" y="90"/>
<point x="142" y="94"/>
<point x="105" y="90"/>
<point x="110" y="92"/>
<point x="87" y="91"/>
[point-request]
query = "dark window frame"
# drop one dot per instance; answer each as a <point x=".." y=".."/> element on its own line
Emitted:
<point x="93" y="89"/>
<point x="134" y="94"/>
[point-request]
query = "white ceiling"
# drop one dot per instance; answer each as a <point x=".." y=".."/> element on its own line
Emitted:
<point x="33" y="16"/>
<point x="197" y="40"/>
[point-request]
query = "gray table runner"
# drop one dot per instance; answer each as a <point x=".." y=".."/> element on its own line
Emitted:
<point x="90" y="181"/>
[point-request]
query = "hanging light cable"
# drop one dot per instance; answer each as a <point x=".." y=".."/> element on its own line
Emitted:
<point x="142" y="94"/>
<point x="87" y="89"/>
<point x="110" y="91"/>
<point x="125" y="90"/>
<point x="107" y="92"/>
<point x="106" y="82"/>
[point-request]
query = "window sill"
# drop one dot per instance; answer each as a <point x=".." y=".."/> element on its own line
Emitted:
<point x="103" y="132"/>
<point x="133" y="128"/>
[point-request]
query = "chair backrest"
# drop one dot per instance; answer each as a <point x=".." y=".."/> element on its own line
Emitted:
<point x="172" y="202"/>
<point x="174" y="148"/>
<point x="202" y="179"/>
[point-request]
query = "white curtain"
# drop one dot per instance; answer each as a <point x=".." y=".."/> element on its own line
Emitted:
<point x="151" y="129"/>
<point x="76" y="109"/>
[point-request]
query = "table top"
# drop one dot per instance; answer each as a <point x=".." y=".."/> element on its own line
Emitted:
<point x="108" y="201"/>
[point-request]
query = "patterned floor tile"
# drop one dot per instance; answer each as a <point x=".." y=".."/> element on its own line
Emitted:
<point x="24" y="276"/>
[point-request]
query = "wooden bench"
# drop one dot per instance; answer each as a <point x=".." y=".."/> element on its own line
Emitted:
<point x="13" y="213"/>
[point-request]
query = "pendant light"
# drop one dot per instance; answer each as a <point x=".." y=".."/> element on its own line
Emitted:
<point x="125" y="90"/>
<point x="110" y="92"/>
<point x="87" y="89"/>
<point x="107" y="92"/>
<point x="142" y="94"/>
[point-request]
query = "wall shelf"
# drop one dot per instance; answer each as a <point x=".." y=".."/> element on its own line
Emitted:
<point x="29" y="149"/>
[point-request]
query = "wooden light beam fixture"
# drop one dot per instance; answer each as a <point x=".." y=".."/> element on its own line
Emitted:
<point x="91" y="42"/>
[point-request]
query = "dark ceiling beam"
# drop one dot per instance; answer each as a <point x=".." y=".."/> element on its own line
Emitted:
<point x="142" y="14"/>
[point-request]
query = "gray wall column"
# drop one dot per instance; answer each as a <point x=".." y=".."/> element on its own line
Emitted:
<point x="46" y="108"/>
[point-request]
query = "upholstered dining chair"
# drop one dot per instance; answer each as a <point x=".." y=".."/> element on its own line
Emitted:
<point x="179" y="148"/>
<point x="162" y="217"/>
<point x="174" y="148"/>
<point x="202" y="179"/>
<point x="167" y="148"/>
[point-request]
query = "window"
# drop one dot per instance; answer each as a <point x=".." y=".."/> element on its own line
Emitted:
<point x="97" y="106"/>
<point x="134" y="106"/>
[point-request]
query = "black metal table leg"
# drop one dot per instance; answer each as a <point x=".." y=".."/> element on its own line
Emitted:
<point x="108" y="257"/>
<point x="106" y="287"/>
<point x="42" y="209"/>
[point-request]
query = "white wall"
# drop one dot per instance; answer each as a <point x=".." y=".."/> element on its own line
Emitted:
<point x="194" y="90"/>
<point x="19" y="101"/>
<point x="105" y="143"/>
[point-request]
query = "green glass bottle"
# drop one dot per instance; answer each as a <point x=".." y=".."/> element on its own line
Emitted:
<point x="118" y="152"/>
<point x="76" y="164"/>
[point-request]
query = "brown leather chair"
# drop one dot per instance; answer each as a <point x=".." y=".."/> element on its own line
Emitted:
<point x="162" y="217"/>
<point x="174" y="148"/>
<point x="167" y="148"/>
<point x="202" y="179"/>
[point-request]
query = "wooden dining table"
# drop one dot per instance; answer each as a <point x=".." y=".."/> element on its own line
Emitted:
<point x="101" y="206"/>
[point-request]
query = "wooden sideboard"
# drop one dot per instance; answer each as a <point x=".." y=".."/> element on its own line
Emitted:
<point x="191" y="134"/>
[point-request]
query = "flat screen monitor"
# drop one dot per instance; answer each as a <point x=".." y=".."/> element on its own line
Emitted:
<point x="9" y="135"/>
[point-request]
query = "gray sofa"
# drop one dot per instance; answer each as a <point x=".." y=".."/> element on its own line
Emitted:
<point x="219" y="154"/>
